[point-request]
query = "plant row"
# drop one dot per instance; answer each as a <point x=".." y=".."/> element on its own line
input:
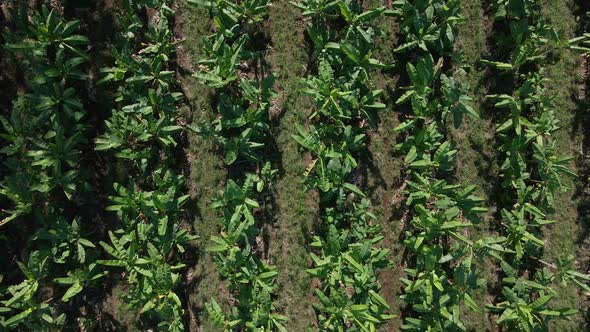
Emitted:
<point x="345" y="254"/>
<point x="440" y="273"/>
<point x="43" y="186"/>
<point x="532" y="171"/>
<point x="141" y="136"/>
<point x="233" y="65"/>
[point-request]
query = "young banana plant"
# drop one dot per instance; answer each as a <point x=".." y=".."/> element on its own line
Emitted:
<point x="149" y="270"/>
<point x="221" y="67"/>
<point x="345" y="254"/>
<point x="44" y="134"/>
<point x="318" y="8"/>
<point x="532" y="171"/>
<point x="521" y="311"/>
<point x="441" y="212"/>
<point x="22" y="302"/>
<point x="429" y="25"/>
<point x="229" y="14"/>
<point x="334" y="163"/>
<point x="250" y="277"/>
<point x="17" y="187"/>
<point x="55" y="57"/>
<point x="241" y="128"/>
<point x="142" y="132"/>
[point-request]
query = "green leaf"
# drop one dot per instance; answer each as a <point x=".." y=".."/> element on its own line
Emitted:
<point x="411" y="156"/>
<point x="419" y="239"/>
<point x="471" y="303"/>
<point x="77" y="39"/>
<point x="503" y="127"/>
<point x="86" y="243"/>
<point x="201" y="3"/>
<point x="351" y="52"/>
<point x="72" y="291"/>
<point x="251" y="202"/>
<point x="353" y="262"/>
<point x="378" y="298"/>
<point x="171" y="128"/>
<point x="231" y="156"/>
<point x="81" y="252"/>
<point x="267" y="275"/>
<point x="219" y="246"/>
<point x="370" y="14"/>
<point x="345" y="11"/>
<point x="16" y="319"/>
<point x="354" y="189"/>
<point x="422" y="163"/>
<point x="148" y="306"/>
<point x="140" y="79"/>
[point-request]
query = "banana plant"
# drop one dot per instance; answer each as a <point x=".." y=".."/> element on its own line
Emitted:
<point x="521" y="311"/>
<point x="251" y="278"/>
<point x="353" y="15"/>
<point x="357" y="43"/>
<point x="521" y="133"/>
<point x="530" y="39"/>
<point x="160" y="42"/>
<point x="422" y="76"/>
<point x="438" y="297"/>
<point x="258" y="313"/>
<point x="221" y="66"/>
<point x="429" y="25"/>
<point x="518" y="9"/>
<point x="44" y="135"/>
<point x="454" y="100"/>
<point x="349" y="295"/>
<point x="341" y="102"/>
<point x="248" y="116"/>
<point x="23" y="304"/>
<point x="552" y="168"/>
<point x="440" y="212"/>
<point x="229" y="14"/>
<point x="565" y="273"/>
<point x="240" y="128"/>
<point x="154" y="123"/>
<point x="78" y="279"/>
<point x="151" y="277"/>
<point x="143" y="131"/>
<point x="66" y="241"/>
<point x="243" y="116"/>
<point x="124" y="250"/>
<point x="582" y="43"/>
<point x="156" y="212"/>
<point x="55" y="60"/>
<point x="318" y="8"/>
<point x="17" y="187"/>
<point x="457" y="103"/>
<point x="46" y="29"/>
<point x="532" y="171"/>
<point x="518" y="223"/>
<point x="344" y="253"/>
<point x="262" y="313"/>
<point x="332" y="164"/>
<point x="58" y="159"/>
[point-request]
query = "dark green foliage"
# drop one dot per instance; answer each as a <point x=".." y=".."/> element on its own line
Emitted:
<point x="441" y="211"/>
<point x="43" y="138"/>
<point x="532" y="170"/>
<point x="345" y="253"/>
<point x="241" y="128"/>
<point x="143" y="131"/>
